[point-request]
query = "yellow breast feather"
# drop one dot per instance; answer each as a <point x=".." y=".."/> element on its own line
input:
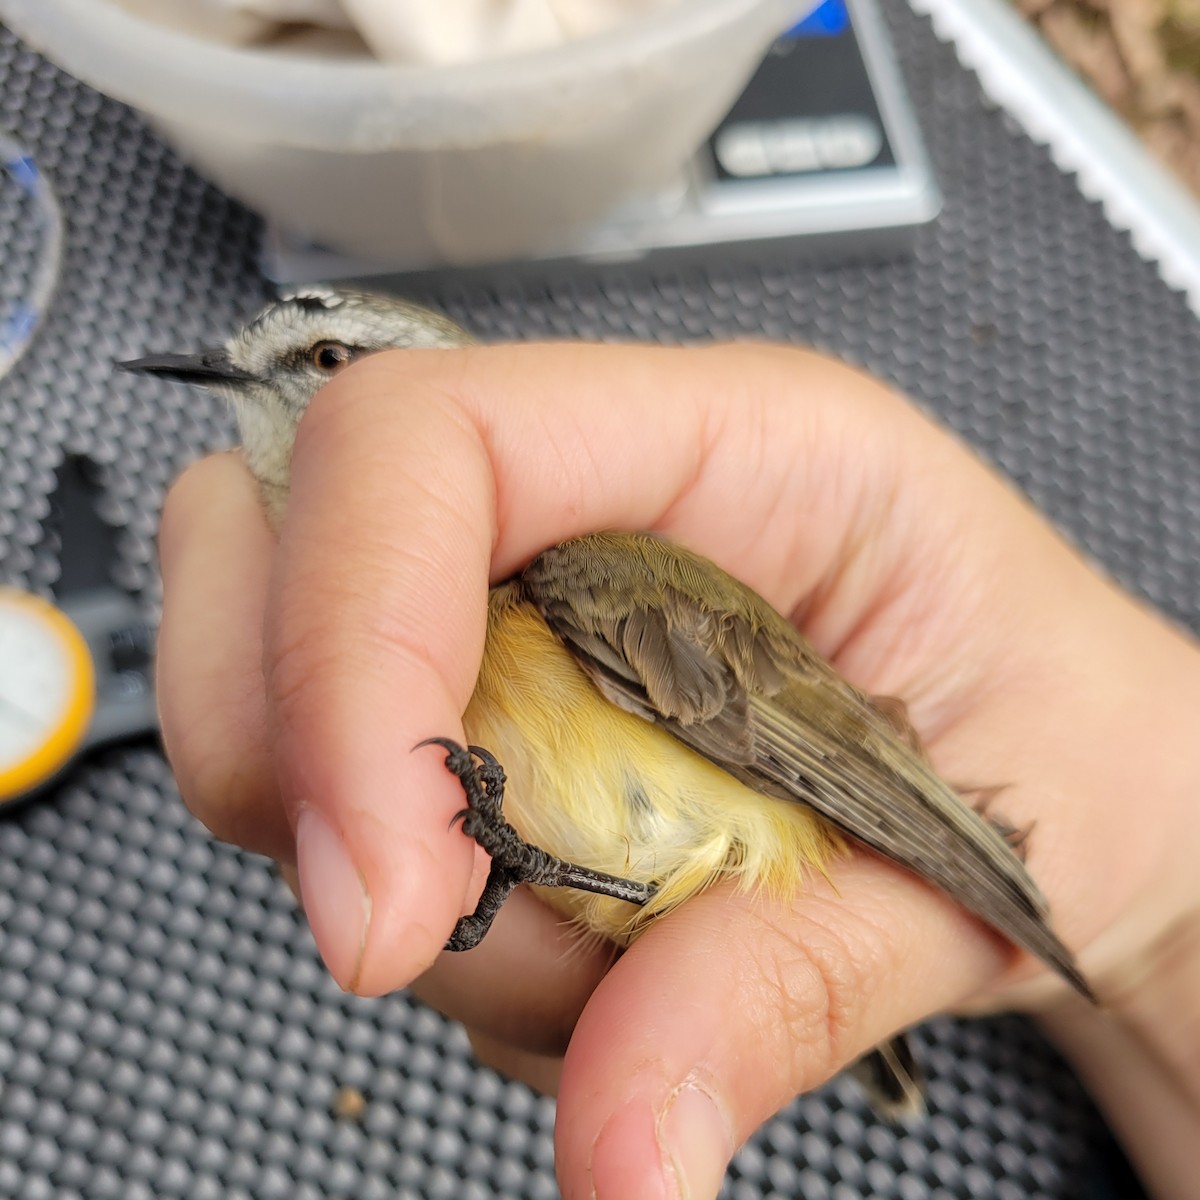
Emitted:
<point x="599" y="786"/>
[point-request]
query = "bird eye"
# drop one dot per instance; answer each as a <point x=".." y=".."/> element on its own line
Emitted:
<point x="330" y="356"/>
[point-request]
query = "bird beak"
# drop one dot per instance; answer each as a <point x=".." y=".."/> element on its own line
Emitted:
<point x="206" y="369"/>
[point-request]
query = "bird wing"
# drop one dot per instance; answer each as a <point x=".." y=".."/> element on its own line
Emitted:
<point x="669" y="636"/>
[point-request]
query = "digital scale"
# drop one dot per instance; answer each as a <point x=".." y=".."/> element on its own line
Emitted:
<point x="820" y="156"/>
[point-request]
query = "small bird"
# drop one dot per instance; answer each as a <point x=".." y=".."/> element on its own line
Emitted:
<point x="660" y="725"/>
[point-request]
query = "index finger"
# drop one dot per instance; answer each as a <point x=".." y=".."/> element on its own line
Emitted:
<point x="418" y="477"/>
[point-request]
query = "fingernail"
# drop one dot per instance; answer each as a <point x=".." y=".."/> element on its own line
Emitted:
<point x="677" y="1153"/>
<point x="626" y="1158"/>
<point x="334" y="895"/>
<point x="696" y="1143"/>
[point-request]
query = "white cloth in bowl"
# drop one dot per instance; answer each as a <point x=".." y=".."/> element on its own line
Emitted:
<point x="413" y="31"/>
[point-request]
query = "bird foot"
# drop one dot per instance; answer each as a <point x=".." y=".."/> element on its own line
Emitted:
<point x="514" y="860"/>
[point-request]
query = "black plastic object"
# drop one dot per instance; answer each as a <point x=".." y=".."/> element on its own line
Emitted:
<point x="86" y="544"/>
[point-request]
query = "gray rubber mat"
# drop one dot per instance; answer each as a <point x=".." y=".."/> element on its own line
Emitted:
<point x="165" y="1028"/>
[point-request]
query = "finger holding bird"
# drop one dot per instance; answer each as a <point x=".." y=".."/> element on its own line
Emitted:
<point x="266" y="461"/>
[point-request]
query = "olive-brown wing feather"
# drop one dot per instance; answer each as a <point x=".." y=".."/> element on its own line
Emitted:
<point x="670" y="637"/>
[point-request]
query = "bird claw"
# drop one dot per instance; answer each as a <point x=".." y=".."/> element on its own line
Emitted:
<point x="483" y="786"/>
<point x="514" y="860"/>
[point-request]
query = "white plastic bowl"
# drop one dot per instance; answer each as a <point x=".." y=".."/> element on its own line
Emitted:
<point x="464" y="163"/>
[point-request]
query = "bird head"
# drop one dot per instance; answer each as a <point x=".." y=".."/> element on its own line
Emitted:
<point x="272" y="367"/>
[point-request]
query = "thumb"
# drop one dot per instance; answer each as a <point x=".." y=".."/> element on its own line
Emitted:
<point x="729" y="1007"/>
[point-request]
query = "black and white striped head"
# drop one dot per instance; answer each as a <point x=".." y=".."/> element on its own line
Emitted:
<point x="273" y="366"/>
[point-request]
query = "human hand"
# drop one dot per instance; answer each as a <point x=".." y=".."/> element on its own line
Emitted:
<point x="295" y="679"/>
